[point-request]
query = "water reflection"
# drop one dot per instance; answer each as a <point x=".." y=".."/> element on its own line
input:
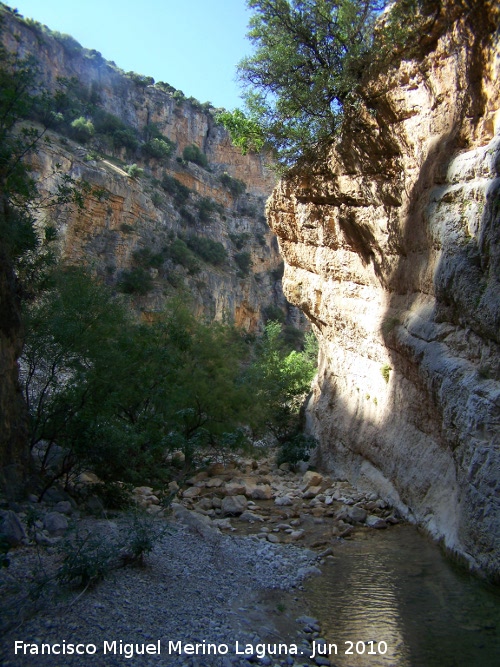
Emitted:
<point x="395" y="587"/>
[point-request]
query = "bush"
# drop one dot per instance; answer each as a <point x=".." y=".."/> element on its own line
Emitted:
<point x="239" y="240"/>
<point x="181" y="254"/>
<point x="178" y="190"/>
<point x="386" y="372"/>
<point x="209" y="250"/>
<point x="135" y="281"/>
<point x="158" y="148"/>
<point x="192" y="153"/>
<point x="146" y="258"/>
<point x="205" y="207"/>
<point x="272" y="312"/>
<point x="244" y="263"/>
<point x="296" y="449"/>
<point x="235" y="186"/>
<point x="85" y="560"/>
<point x="82" y="129"/>
<point x="133" y="170"/>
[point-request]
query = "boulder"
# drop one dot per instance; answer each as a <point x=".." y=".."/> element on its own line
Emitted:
<point x="214" y="483"/>
<point x="192" y="492"/>
<point x="356" y="514"/>
<point x="311" y="478"/>
<point x="311" y="492"/>
<point x="63" y="507"/>
<point x="233" y="505"/>
<point x="55" y="523"/>
<point x="283" y="501"/>
<point x="11" y="528"/>
<point x="235" y="488"/>
<point x="375" y="522"/>
<point x="260" y="492"/>
<point x="251" y="517"/>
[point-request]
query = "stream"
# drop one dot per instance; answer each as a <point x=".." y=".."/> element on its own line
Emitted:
<point x="395" y="586"/>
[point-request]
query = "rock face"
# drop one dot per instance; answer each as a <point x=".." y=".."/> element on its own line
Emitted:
<point x="392" y="249"/>
<point x="139" y="223"/>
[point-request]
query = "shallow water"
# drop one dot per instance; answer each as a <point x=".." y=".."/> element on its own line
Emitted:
<point x="395" y="586"/>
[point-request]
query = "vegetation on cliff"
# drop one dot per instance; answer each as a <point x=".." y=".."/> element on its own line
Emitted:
<point x="308" y="62"/>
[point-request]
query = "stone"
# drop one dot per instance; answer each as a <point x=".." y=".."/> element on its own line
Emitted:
<point x="55" y="523"/>
<point x="297" y="535"/>
<point x="261" y="492"/>
<point x="191" y="492"/>
<point x="311" y="478"/>
<point x="205" y="503"/>
<point x="251" y="517"/>
<point x="235" y="488"/>
<point x="272" y="537"/>
<point x="11" y="528"/>
<point x="283" y="501"/>
<point x="143" y="491"/>
<point x="357" y="514"/>
<point x="214" y="483"/>
<point x="63" y="507"/>
<point x="173" y="487"/>
<point x="233" y="505"/>
<point x="375" y="522"/>
<point x="311" y="492"/>
<point x="223" y="524"/>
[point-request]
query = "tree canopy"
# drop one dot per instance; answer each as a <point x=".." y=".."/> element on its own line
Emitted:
<point x="308" y="61"/>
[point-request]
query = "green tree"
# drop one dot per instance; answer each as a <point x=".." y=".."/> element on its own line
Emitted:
<point x="280" y="381"/>
<point x="21" y="270"/>
<point x="305" y="72"/>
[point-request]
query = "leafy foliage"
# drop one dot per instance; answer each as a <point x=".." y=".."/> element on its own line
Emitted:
<point x="305" y="73"/>
<point x="208" y="249"/>
<point x="235" y="186"/>
<point x="244" y="263"/>
<point x="193" y="153"/>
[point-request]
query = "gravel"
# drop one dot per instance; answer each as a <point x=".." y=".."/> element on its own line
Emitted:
<point x="195" y="588"/>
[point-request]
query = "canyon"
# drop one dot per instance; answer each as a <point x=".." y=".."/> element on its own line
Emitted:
<point x="391" y="248"/>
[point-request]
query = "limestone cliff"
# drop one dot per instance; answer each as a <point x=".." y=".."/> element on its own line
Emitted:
<point x="142" y="234"/>
<point x="392" y="249"/>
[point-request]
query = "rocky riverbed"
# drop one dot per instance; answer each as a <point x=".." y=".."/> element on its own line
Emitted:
<point x="241" y="539"/>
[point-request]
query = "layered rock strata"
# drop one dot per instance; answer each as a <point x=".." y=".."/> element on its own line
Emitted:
<point x="392" y="249"/>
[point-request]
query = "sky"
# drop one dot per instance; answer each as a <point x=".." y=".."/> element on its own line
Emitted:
<point x="194" y="45"/>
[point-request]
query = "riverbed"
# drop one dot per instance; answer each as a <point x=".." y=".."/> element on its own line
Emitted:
<point x="392" y="598"/>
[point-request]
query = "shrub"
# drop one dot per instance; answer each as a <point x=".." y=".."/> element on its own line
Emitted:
<point x="146" y="258"/>
<point x="296" y="449"/>
<point x="187" y="216"/>
<point x="244" y="263"/>
<point x="239" y="240"/>
<point x="209" y="250"/>
<point x="235" y="186"/>
<point x="181" y="254"/>
<point x="133" y="170"/>
<point x="86" y="559"/>
<point x="140" y="79"/>
<point x="178" y="190"/>
<point x="126" y="228"/>
<point x="158" y="148"/>
<point x="272" y="312"/>
<point x="135" y="281"/>
<point x="82" y="129"/>
<point x="205" y="207"/>
<point x="386" y="372"/>
<point x="194" y="154"/>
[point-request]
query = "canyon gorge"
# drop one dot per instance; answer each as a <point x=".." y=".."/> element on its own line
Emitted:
<point x="391" y="247"/>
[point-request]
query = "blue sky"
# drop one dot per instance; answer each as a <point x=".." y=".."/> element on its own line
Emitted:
<point x="193" y="45"/>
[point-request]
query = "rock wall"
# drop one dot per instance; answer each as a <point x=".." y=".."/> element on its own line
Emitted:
<point x="137" y="214"/>
<point x="392" y="249"/>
